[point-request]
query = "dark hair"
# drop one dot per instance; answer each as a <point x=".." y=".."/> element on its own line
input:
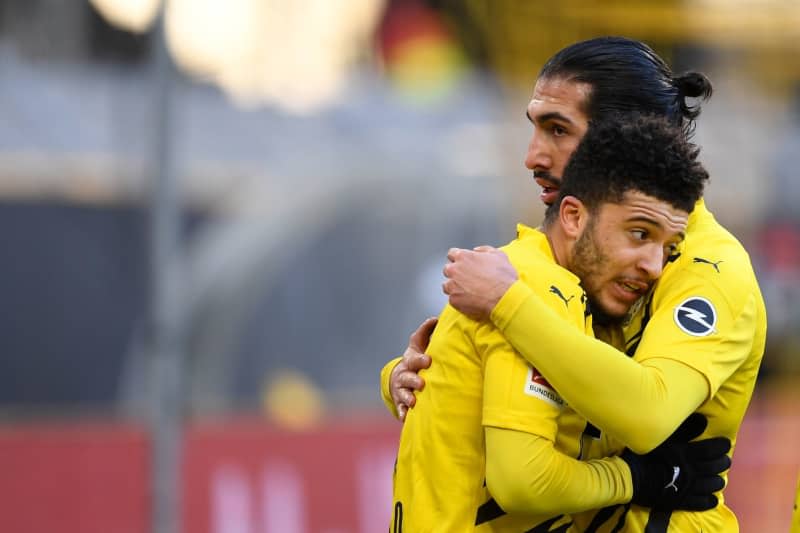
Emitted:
<point x="628" y="76"/>
<point x="633" y="152"/>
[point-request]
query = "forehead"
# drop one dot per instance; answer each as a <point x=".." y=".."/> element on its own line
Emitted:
<point x="559" y="95"/>
<point x="641" y="208"/>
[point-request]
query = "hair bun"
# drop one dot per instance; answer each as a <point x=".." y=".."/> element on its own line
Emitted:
<point x="694" y="85"/>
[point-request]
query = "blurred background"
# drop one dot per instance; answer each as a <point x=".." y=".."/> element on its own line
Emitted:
<point x="220" y="219"/>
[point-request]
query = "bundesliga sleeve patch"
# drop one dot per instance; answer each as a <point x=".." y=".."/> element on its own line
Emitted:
<point x="696" y="316"/>
<point x="537" y="386"/>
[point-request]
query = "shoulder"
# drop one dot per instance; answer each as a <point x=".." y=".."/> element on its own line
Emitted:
<point x="531" y="255"/>
<point x="712" y="278"/>
<point x="556" y="286"/>
<point x="714" y="258"/>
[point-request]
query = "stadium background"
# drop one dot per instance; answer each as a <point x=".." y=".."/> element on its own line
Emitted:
<point x="212" y="243"/>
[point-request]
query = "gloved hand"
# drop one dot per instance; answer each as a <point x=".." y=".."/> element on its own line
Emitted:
<point x="679" y="474"/>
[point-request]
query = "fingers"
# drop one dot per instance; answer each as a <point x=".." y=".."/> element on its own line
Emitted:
<point x="406" y="398"/>
<point x="418" y="341"/>
<point x="414" y="364"/>
<point x="700" y="502"/>
<point x="708" y="485"/>
<point x="454" y="253"/>
<point x="701" y="494"/>
<point x="404" y="379"/>
<point x="449" y="270"/>
<point x="405" y="373"/>
<point x="447" y="286"/>
<point x="712" y="466"/>
<point x="406" y="383"/>
<point x="708" y="448"/>
<point x="691" y="428"/>
<point x="403" y="395"/>
<point x="451" y="288"/>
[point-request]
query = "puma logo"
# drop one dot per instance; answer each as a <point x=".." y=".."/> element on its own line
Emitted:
<point x="706" y="261"/>
<point x="676" y="471"/>
<point x="555" y="290"/>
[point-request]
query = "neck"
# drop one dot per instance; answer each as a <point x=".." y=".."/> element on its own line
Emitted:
<point x="560" y="244"/>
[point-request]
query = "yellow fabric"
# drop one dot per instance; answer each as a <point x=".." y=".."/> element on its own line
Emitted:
<point x="597" y="379"/>
<point x="640" y="401"/>
<point x="796" y="512"/>
<point x="386" y="394"/>
<point x="477" y="381"/>
<point x="521" y="467"/>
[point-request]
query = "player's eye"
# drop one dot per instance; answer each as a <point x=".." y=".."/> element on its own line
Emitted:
<point x="559" y="131"/>
<point x="639" y="234"/>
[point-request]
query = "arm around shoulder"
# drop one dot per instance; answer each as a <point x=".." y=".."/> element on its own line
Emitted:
<point x="598" y="380"/>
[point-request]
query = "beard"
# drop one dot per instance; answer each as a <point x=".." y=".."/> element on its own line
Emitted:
<point x="589" y="263"/>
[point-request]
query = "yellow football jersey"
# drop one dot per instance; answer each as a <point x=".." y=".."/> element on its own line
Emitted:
<point x="707" y="312"/>
<point x="478" y="380"/>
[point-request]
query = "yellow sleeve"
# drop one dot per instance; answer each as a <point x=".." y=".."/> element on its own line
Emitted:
<point x="597" y="380"/>
<point x="525" y="474"/>
<point x="386" y="394"/>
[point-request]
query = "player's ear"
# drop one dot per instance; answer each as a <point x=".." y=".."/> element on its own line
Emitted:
<point x="573" y="216"/>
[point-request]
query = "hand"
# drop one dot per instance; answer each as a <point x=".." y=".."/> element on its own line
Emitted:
<point x="404" y="379"/>
<point x="477" y="279"/>
<point x="680" y="474"/>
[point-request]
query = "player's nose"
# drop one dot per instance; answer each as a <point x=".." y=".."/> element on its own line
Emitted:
<point x="538" y="156"/>
<point x="651" y="261"/>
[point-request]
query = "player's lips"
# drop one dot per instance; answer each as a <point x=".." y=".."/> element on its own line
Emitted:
<point x="630" y="290"/>
<point x="549" y="187"/>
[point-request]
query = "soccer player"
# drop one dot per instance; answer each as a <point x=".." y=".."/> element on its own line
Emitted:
<point x="696" y="340"/>
<point x="484" y="448"/>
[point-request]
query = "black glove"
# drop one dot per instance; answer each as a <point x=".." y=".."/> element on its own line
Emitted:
<point x="680" y="474"/>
